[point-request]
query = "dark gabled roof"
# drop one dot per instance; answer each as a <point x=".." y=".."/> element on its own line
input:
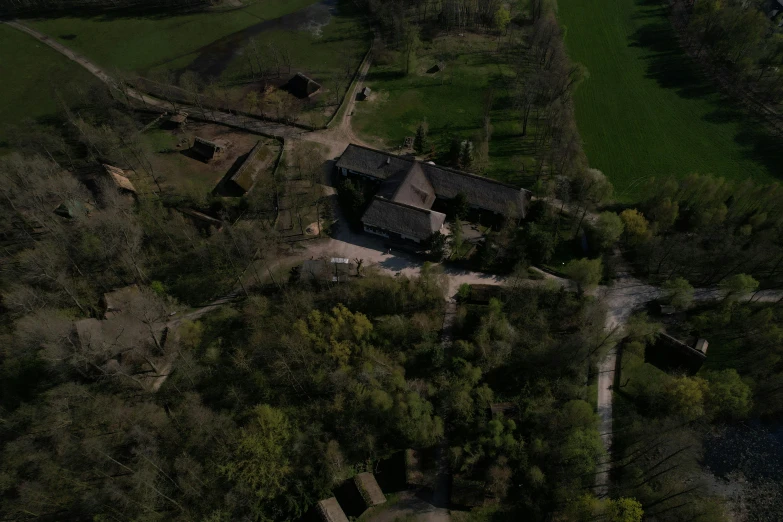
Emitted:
<point x="206" y="148"/>
<point x="406" y="220"/>
<point x="446" y="183"/>
<point x="373" y="163"/>
<point x="415" y="189"/>
<point x="481" y="192"/>
<point x="302" y="86"/>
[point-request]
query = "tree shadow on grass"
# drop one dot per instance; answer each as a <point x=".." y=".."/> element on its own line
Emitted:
<point x="673" y="69"/>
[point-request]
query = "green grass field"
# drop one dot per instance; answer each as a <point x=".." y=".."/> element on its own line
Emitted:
<point x="139" y="43"/>
<point x="32" y="76"/>
<point x="646" y="111"/>
<point x="450" y="101"/>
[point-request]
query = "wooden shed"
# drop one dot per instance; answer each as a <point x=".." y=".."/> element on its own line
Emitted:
<point x="208" y="150"/>
<point x="303" y="87"/>
<point x="329" y="510"/>
<point x="119" y="178"/>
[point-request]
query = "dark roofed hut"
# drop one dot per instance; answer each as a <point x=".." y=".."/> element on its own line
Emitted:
<point x="303" y="87"/>
<point x="118" y="300"/>
<point x="208" y="150"/>
<point x="671" y="354"/>
<point x="365" y="93"/>
<point x="358" y="494"/>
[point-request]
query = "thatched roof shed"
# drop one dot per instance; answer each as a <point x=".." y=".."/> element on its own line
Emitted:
<point x="369" y="489"/>
<point x="245" y="177"/>
<point x="329" y="510"/>
<point x="208" y="150"/>
<point x="73" y="208"/>
<point x="118" y="300"/>
<point x="303" y="87"/>
<point x="671" y="354"/>
<point x="118" y="177"/>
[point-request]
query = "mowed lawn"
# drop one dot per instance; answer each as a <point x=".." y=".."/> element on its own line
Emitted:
<point x="646" y="111"/>
<point x="451" y="102"/>
<point x="33" y="75"/>
<point x="137" y="43"/>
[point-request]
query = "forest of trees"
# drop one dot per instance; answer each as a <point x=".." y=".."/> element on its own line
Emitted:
<point x="739" y="36"/>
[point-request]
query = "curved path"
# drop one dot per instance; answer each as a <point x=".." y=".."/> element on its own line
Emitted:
<point x="337" y="138"/>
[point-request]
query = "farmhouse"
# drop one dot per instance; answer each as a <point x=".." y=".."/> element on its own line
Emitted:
<point x="408" y="189"/>
<point x="208" y="150"/>
<point x="303" y="87"/>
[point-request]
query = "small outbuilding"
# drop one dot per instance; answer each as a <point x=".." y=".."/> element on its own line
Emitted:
<point x="245" y="177"/>
<point x="369" y="489"/>
<point x="671" y="354"/>
<point x="119" y="178"/>
<point x="116" y="301"/>
<point x="329" y="510"/>
<point x="72" y="208"/>
<point x="179" y="119"/>
<point x="365" y="93"/>
<point x="208" y="150"/>
<point x="303" y="87"/>
<point x="438" y="67"/>
<point x="359" y="494"/>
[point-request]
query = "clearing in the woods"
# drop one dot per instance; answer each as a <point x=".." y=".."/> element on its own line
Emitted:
<point x="645" y="110"/>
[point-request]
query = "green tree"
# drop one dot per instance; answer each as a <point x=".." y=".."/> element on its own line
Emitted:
<point x="421" y="142"/>
<point x="502" y="18"/>
<point x="637" y="229"/>
<point x="679" y="292"/>
<point x="465" y="154"/>
<point x="738" y="285"/>
<point x="685" y="396"/>
<point x="460" y="206"/>
<point x="260" y="462"/>
<point x="585" y="272"/>
<point x="608" y="229"/>
<point x="728" y="398"/>
<point x="624" y="510"/>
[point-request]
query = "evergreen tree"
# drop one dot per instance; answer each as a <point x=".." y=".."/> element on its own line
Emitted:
<point x="421" y="142"/>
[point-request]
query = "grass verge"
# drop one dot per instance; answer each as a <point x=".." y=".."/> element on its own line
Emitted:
<point x="646" y="111"/>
